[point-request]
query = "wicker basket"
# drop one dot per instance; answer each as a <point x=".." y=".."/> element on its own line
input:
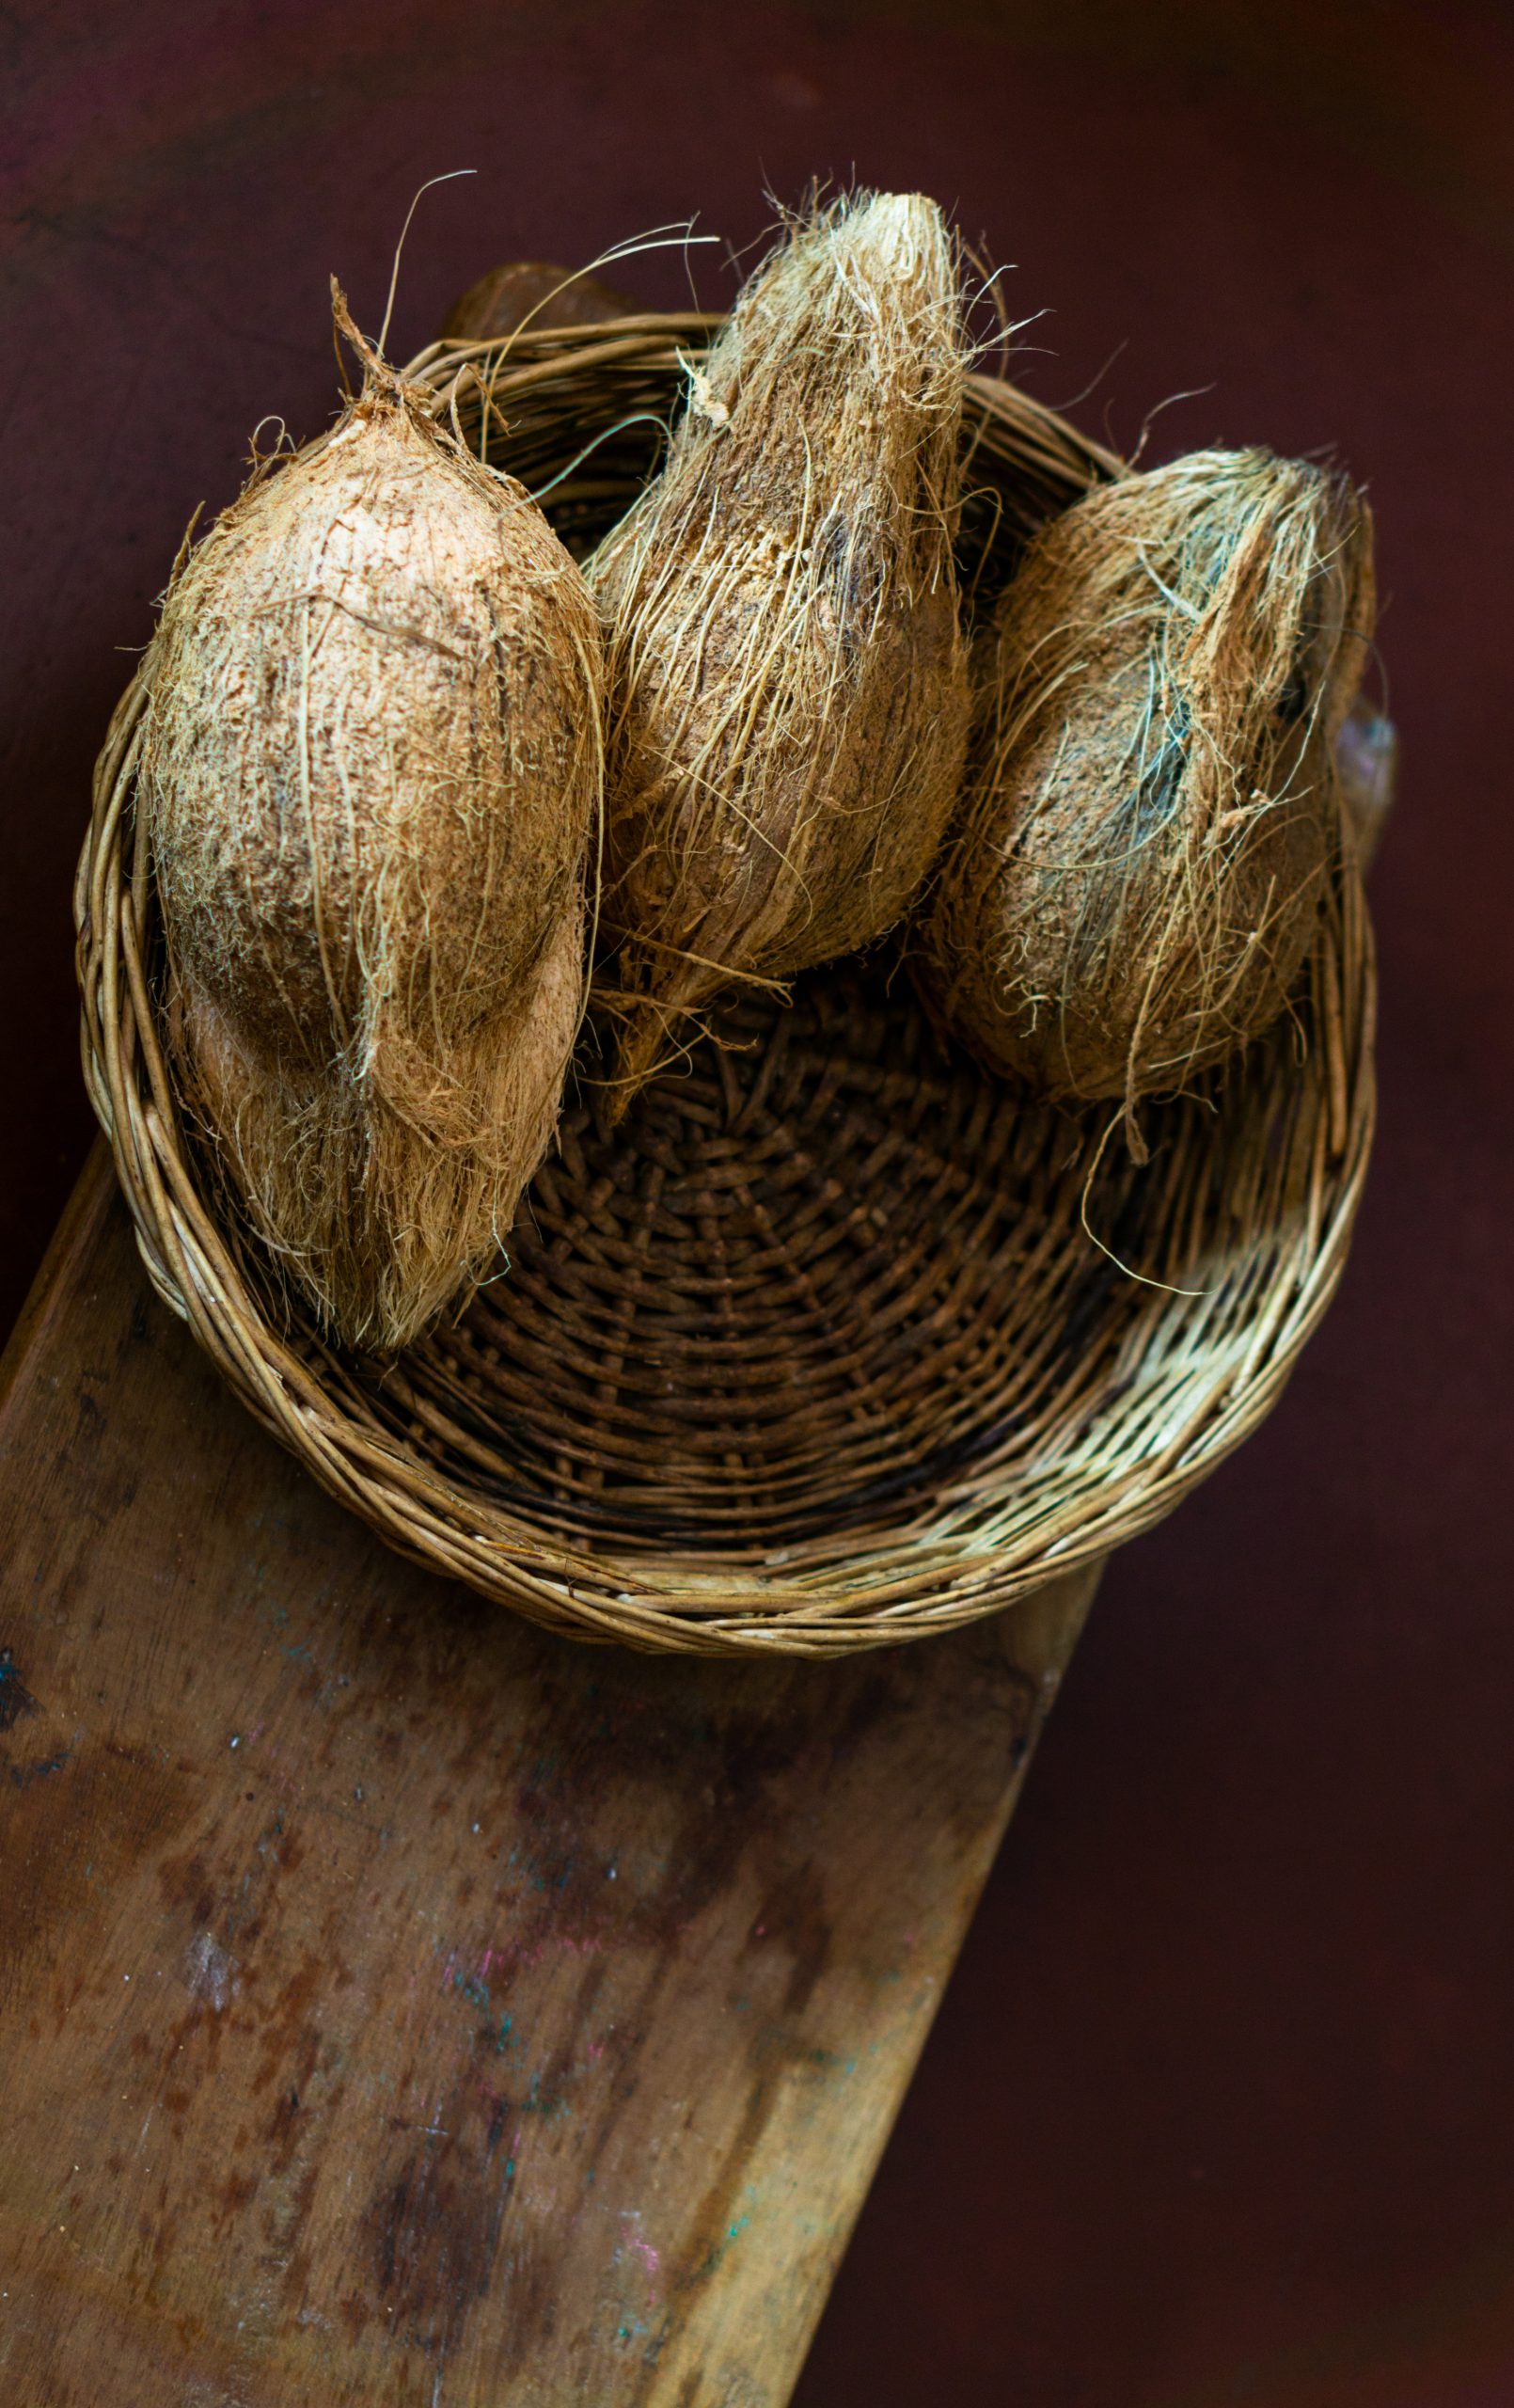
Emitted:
<point x="834" y="1343"/>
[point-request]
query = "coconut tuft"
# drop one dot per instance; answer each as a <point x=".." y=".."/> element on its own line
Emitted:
<point x="787" y="678"/>
<point x="1151" y="799"/>
<point x="369" y="773"/>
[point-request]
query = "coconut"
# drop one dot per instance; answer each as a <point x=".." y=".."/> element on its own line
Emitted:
<point x="788" y="682"/>
<point x="532" y="292"/>
<point x="371" y="764"/>
<point x="1151" y="799"/>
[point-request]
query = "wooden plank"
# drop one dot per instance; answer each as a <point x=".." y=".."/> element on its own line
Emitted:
<point x="401" y="2005"/>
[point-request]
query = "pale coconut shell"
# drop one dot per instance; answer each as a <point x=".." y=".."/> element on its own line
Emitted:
<point x="369" y="775"/>
<point x="787" y="678"/>
<point x="1151" y="799"/>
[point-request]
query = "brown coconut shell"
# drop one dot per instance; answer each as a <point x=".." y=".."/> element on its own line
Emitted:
<point x="788" y="682"/>
<point x="1152" y="799"/>
<point x="535" y="293"/>
<point x="368" y="779"/>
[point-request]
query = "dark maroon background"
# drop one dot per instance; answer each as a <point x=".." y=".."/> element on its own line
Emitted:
<point x="1221" y="2108"/>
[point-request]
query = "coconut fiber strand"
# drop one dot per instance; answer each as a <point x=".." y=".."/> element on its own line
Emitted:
<point x="370" y="771"/>
<point x="1151" y="800"/>
<point x="787" y="679"/>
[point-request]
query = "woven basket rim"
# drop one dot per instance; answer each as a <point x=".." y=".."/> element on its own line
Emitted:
<point x="942" y="1570"/>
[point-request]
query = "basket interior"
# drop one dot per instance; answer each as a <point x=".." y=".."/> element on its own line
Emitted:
<point x="828" y="1273"/>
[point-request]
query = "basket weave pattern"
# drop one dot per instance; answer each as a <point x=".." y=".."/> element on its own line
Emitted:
<point x="834" y="1342"/>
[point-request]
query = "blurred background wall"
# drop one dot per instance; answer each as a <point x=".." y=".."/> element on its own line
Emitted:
<point x="1220" y="2106"/>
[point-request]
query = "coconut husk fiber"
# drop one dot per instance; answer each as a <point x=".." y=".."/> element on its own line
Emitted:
<point x="369" y="775"/>
<point x="787" y="679"/>
<point x="1151" y="800"/>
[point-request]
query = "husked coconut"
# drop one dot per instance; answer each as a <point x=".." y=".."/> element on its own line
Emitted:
<point x="370" y="766"/>
<point x="532" y="292"/>
<point x="787" y="681"/>
<point x="1151" y="798"/>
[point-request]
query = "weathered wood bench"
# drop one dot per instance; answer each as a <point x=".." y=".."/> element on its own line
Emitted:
<point x="401" y="2005"/>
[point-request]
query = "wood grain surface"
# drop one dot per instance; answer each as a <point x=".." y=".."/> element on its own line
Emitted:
<point x="400" y="2005"/>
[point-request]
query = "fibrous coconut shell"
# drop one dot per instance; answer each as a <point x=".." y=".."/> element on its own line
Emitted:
<point x="1152" y="799"/>
<point x="368" y="776"/>
<point x="788" y="686"/>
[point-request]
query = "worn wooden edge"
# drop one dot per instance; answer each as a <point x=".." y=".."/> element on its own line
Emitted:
<point x="1040" y="1636"/>
<point x="72" y="1242"/>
